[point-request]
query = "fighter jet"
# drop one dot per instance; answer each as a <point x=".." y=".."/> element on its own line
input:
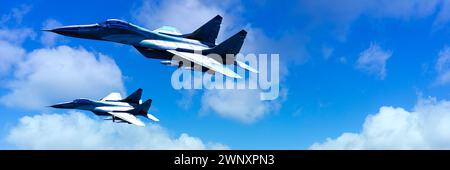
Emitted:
<point x="120" y="110"/>
<point x="188" y="51"/>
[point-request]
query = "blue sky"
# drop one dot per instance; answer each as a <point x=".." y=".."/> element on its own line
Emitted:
<point x="379" y="70"/>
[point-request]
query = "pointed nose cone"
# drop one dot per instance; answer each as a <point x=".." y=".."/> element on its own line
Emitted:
<point x="47" y="30"/>
<point x="68" y="31"/>
<point x="56" y="106"/>
<point x="68" y="105"/>
<point x="78" y="31"/>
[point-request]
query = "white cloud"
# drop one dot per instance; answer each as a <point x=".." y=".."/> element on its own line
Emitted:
<point x="48" y="38"/>
<point x="11" y="51"/>
<point x="10" y="55"/>
<point x="241" y="105"/>
<point x="16" y="13"/>
<point x="427" y="126"/>
<point x="51" y="75"/>
<point x="16" y="36"/>
<point x="373" y="60"/>
<point x="77" y="131"/>
<point x="443" y="66"/>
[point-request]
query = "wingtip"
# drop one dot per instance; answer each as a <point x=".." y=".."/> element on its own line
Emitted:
<point x="140" y="123"/>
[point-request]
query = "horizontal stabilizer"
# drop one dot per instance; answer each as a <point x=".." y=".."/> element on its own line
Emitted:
<point x="151" y="117"/>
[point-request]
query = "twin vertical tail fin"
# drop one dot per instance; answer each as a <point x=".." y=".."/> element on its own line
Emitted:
<point x="142" y="109"/>
<point x="207" y="32"/>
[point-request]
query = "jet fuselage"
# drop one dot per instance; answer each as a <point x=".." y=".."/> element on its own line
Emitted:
<point x="193" y="51"/>
<point x="143" y="39"/>
<point x="100" y="108"/>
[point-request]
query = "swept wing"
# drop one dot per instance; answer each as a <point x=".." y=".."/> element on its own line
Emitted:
<point x="128" y="118"/>
<point x="205" y="61"/>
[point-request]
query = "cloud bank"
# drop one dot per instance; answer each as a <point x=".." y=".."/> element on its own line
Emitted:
<point x="74" y="130"/>
<point x="241" y="105"/>
<point x="9" y="56"/>
<point x="51" y="75"/>
<point x="427" y="126"/>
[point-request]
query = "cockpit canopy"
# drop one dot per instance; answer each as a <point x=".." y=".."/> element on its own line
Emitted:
<point x="168" y="30"/>
<point x="81" y="101"/>
<point x="115" y="23"/>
